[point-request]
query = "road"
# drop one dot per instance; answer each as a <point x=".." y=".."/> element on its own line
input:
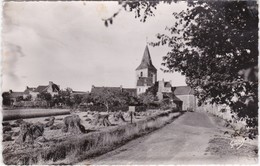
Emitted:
<point x="184" y="141"/>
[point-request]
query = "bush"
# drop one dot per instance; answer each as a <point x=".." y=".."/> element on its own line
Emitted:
<point x="141" y="108"/>
<point x="101" y="108"/>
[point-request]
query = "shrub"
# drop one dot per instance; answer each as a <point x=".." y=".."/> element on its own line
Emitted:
<point x="141" y="108"/>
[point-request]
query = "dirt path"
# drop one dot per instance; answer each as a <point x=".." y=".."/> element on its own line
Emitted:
<point x="185" y="141"/>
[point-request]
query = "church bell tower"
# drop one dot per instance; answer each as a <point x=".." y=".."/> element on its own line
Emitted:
<point x="146" y="73"/>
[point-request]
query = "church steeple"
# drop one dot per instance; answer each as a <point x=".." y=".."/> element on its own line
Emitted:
<point x="146" y="62"/>
<point x="146" y="73"/>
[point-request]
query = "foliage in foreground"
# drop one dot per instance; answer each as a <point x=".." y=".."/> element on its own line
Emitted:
<point x="215" y="45"/>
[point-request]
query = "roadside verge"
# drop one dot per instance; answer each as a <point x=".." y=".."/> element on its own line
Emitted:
<point x="76" y="148"/>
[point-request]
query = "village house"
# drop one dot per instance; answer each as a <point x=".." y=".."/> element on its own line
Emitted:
<point x="52" y="88"/>
<point x="131" y="91"/>
<point x="186" y="95"/>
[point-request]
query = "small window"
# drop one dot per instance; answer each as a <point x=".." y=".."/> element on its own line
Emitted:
<point x="141" y="74"/>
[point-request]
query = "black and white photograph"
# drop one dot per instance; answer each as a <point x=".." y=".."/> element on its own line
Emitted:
<point x="168" y="82"/>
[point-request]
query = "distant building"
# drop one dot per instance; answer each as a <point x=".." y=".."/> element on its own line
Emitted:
<point x="186" y="94"/>
<point x="131" y="91"/>
<point x="15" y="95"/>
<point x="52" y="88"/>
<point x="78" y="93"/>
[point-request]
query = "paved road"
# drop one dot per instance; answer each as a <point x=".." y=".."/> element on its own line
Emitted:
<point x="182" y="142"/>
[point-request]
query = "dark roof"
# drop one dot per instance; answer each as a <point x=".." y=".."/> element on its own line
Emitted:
<point x="145" y="80"/>
<point x="183" y="90"/>
<point x="16" y="94"/>
<point x="41" y="88"/>
<point x="55" y="88"/>
<point x="100" y="89"/>
<point x="28" y="89"/>
<point x="167" y="84"/>
<point x="78" y="92"/>
<point x="146" y="61"/>
<point x="172" y="96"/>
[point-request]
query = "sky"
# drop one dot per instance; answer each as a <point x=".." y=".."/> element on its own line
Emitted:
<point x="68" y="43"/>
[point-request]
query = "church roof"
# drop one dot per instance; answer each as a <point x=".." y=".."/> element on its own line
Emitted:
<point x="146" y="61"/>
<point x="95" y="89"/>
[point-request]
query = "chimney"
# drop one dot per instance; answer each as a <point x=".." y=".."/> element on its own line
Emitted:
<point x="160" y="86"/>
<point x="10" y="91"/>
<point x="154" y="78"/>
<point x="121" y="88"/>
<point x="27" y="87"/>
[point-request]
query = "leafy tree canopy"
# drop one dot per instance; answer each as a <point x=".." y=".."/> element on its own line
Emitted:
<point x="108" y="97"/>
<point x="215" y="45"/>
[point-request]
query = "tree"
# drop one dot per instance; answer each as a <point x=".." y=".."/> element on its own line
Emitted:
<point x="45" y="96"/>
<point x="65" y="97"/>
<point x="215" y="45"/>
<point x="147" y="98"/>
<point x="6" y="99"/>
<point x="211" y="44"/>
<point x="108" y="97"/>
<point x="76" y="99"/>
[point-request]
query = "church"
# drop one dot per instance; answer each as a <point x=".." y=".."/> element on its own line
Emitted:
<point x="146" y="77"/>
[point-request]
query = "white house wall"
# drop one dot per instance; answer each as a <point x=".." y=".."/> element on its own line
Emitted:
<point x="189" y="101"/>
<point x="141" y="89"/>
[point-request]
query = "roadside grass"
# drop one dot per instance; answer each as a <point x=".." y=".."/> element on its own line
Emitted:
<point x="81" y="147"/>
<point x="32" y="113"/>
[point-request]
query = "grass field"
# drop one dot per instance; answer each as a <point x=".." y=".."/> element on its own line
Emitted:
<point x="32" y="113"/>
<point x="63" y="148"/>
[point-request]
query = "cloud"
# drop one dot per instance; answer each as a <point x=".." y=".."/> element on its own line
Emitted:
<point x="11" y="55"/>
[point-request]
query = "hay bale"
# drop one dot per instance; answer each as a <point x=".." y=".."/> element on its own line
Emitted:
<point x="57" y="126"/>
<point x="15" y="125"/>
<point x="7" y="128"/>
<point x="47" y="119"/>
<point x="15" y="134"/>
<point x="6" y="124"/>
<point x="50" y="122"/>
<point x="88" y="119"/>
<point x="73" y="125"/>
<point x="7" y="137"/>
<point x="19" y="121"/>
<point x="119" y="116"/>
<point x="29" y="132"/>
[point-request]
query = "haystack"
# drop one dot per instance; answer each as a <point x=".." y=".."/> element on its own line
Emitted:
<point x="29" y="132"/>
<point x="119" y="116"/>
<point x="101" y="120"/>
<point x="50" y="122"/>
<point x="73" y="125"/>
